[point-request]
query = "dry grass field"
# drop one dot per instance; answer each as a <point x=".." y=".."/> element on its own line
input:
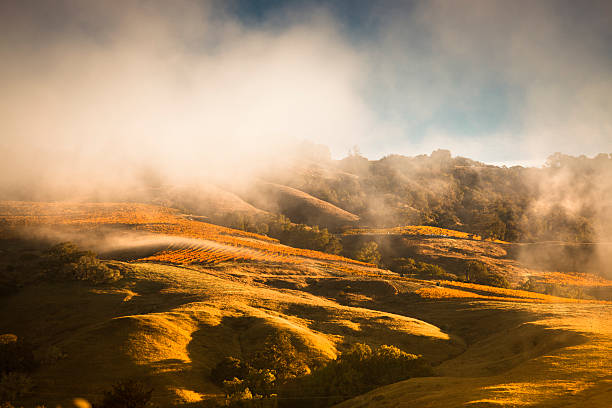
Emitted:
<point x="205" y="292"/>
<point x="417" y="230"/>
<point x="215" y="243"/>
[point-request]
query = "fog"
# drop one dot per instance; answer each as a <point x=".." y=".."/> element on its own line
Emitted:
<point x="170" y="88"/>
<point x="100" y="98"/>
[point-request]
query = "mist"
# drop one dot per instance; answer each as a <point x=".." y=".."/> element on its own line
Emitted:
<point x="174" y="89"/>
<point x="98" y="97"/>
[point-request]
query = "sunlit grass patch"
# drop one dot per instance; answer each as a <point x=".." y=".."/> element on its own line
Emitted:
<point x="419" y="230"/>
<point x="574" y="279"/>
<point x="453" y="289"/>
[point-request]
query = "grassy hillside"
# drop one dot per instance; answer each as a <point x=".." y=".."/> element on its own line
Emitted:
<point x="565" y="200"/>
<point x="171" y="325"/>
<point x="552" y="267"/>
<point x="205" y="199"/>
<point x="193" y="293"/>
<point x="214" y="243"/>
<point x="558" y="359"/>
<point x="299" y="206"/>
<point x="416" y="230"/>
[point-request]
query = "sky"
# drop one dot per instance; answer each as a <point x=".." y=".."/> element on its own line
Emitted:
<point x="97" y="87"/>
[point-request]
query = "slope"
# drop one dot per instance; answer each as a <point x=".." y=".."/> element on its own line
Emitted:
<point x="299" y="206"/>
<point x="171" y="325"/>
<point x="559" y="358"/>
<point x="170" y="321"/>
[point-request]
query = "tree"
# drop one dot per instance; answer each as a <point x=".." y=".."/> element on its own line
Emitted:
<point x="355" y="371"/>
<point x="369" y="253"/>
<point x="477" y="272"/>
<point x="127" y="394"/>
<point x="228" y="369"/>
<point x="67" y="261"/>
<point x="280" y="356"/>
<point x="474" y="270"/>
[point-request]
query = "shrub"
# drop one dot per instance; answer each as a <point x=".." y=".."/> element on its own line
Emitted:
<point x="64" y="253"/>
<point x="408" y="266"/>
<point x="127" y="394"/>
<point x="281" y="370"/>
<point x="304" y="236"/>
<point x="14" y="385"/>
<point x="258" y="385"/>
<point x="277" y="363"/>
<point x="477" y="272"/>
<point x="228" y="369"/>
<point x="237" y="389"/>
<point x="16" y="355"/>
<point x="262" y="382"/>
<point x="288" y="233"/>
<point x="67" y="261"/>
<point x="495" y="279"/>
<point x="356" y="371"/>
<point x="89" y="268"/>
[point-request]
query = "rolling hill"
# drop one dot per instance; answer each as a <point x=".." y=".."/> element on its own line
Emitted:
<point x="192" y="293"/>
<point x="299" y="206"/>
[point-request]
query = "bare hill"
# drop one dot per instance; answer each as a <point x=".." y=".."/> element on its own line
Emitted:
<point x="206" y="200"/>
<point x="299" y="206"/>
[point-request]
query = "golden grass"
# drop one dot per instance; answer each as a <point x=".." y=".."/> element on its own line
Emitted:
<point x="573" y="279"/>
<point x="238" y="245"/>
<point x="563" y="361"/>
<point x="173" y="324"/>
<point x="203" y="253"/>
<point x="352" y="270"/>
<point x="439" y="292"/>
<point x="458" y="290"/>
<point x="419" y="230"/>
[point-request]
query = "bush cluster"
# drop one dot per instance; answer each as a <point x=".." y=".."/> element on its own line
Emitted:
<point x="356" y="371"/>
<point x="423" y="270"/>
<point x="303" y="236"/>
<point x="288" y="233"/>
<point x="477" y="272"/>
<point x="547" y="288"/>
<point x="17" y="361"/>
<point x="368" y="252"/>
<point x="473" y="272"/>
<point x="127" y="394"/>
<point x="278" y="376"/>
<point x="67" y="261"/>
<point x="278" y="363"/>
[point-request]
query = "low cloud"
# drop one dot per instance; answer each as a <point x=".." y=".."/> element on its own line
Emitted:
<point x="193" y="94"/>
<point x="95" y="93"/>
